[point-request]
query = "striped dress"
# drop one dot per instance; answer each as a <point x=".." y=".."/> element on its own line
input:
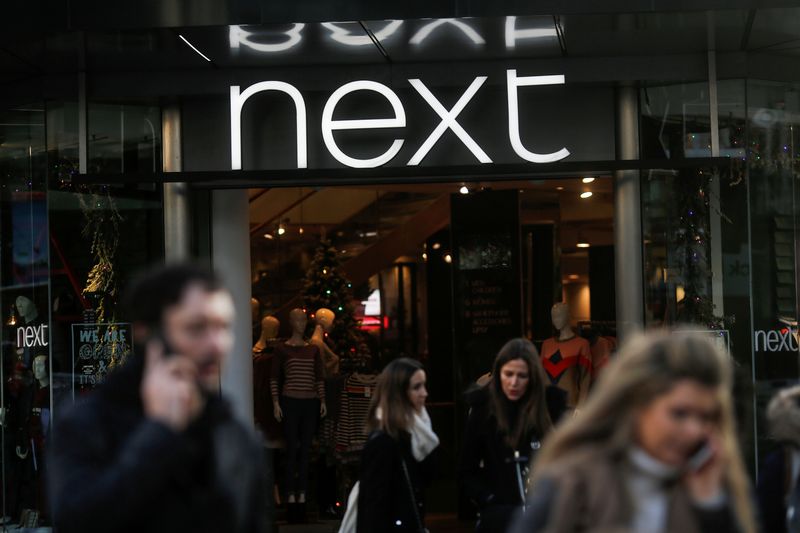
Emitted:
<point x="300" y="370"/>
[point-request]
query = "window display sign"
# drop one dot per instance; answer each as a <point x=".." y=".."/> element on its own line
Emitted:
<point x="96" y="348"/>
<point x="486" y="277"/>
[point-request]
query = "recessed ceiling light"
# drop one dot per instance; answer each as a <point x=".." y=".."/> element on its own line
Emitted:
<point x="448" y="258"/>
<point x="464" y="189"/>
<point x="583" y="245"/>
<point x="436" y="246"/>
<point x="587" y="194"/>
<point x="588" y="180"/>
<point x="268" y="236"/>
<point x="559" y="188"/>
<point x="573" y="276"/>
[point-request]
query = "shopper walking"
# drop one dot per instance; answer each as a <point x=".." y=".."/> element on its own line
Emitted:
<point x="653" y="451"/>
<point x="155" y="448"/>
<point x="396" y="463"/>
<point x="778" y="476"/>
<point x="507" y="422"/>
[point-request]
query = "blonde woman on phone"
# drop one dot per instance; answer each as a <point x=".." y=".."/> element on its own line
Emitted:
<point x="653" y="450"/>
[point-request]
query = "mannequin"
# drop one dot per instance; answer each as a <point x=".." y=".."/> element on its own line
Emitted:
<point x="40" y="412"/>
<point x="39" y="426"/>
<point x="324" y="318"/>
<point x="298" y="366"/>
<point x="27" y="309"/>
<point x="263" y="353"/>
<point x="269" y="332"/>
<point x="567" y="358"/>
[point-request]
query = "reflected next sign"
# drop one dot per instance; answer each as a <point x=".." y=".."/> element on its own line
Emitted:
<point x="448" y="120"/>
<point x="775" y="340"/>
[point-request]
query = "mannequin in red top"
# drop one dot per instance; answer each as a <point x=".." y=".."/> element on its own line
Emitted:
<point x="567" y="358"/>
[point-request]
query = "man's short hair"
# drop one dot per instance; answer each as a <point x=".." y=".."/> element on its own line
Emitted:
<point x="159" y="288"/>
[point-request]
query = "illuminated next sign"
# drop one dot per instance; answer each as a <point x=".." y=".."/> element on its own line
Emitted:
<point x="32" y="336"/>
<point x="448" y="120"/>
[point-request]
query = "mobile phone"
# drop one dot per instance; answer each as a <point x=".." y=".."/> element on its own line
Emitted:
<point x="158" y="335"/>
<point x="701" y="457"/>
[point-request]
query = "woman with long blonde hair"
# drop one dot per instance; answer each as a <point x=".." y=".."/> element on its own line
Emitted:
<point x="653" y="450"/>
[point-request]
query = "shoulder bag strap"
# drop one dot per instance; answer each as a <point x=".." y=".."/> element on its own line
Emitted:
<point x="411" y="495"/>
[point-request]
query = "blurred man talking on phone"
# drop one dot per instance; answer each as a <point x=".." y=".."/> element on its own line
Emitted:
<point x="156" y="448"/>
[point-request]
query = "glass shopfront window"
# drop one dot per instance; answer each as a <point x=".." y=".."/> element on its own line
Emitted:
<point x="25" y="405"/>
<point x="772" y="122"/>
<point x="66" y="253"/>
<point x="720" y="245"/>
<point x="675" y="122"/>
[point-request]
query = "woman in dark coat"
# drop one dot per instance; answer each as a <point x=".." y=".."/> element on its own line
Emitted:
<point x="396" y="463"/>
<point x="508" y="419"/>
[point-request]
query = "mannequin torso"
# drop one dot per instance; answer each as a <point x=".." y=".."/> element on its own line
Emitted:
<point x="566" y="358"/>
<point x="299" y="365"/>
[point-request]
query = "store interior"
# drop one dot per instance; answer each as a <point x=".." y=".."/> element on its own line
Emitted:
<point x="384" y="258"/>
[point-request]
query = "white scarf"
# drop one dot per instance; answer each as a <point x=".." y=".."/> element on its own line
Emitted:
<point x="423" y="439"/>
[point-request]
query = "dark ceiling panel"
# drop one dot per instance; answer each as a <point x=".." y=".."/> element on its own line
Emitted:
<point x="102" y="14"/>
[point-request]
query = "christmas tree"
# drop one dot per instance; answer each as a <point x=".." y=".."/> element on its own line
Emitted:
<point x="691" y="242"/>
<point x="326" y="286"/>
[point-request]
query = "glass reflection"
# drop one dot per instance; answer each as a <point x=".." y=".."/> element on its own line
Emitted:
<point x="240" y="37"/>
<point x="464" y="28"/>
<point x="513" y="34"/>
<point x="343" y="35"/>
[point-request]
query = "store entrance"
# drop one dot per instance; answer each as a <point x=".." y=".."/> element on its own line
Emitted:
<point x="444" y="273"/>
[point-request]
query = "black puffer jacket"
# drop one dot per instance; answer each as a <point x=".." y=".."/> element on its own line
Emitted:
<point x="113" y="470"/>
<point x="384" y="497"/>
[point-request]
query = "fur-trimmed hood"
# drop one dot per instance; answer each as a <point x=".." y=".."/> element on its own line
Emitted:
<point x="783" y="414"/>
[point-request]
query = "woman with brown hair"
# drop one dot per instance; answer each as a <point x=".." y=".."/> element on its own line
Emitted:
<point x="509" y="417"/>
<point x="653" y="450"/>
<point x="396" y="463"/>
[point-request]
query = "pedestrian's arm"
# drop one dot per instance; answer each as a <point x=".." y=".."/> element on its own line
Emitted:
<point x="471" y="474"/>
<point x="319" y="375"/>
<point x="92" y="489"/>
<point x="276" y="373"/>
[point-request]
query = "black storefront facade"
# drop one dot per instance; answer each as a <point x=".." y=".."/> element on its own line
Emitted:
<point x="145" y="137"/>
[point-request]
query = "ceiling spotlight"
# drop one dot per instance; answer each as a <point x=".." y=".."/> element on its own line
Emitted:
<point x="424" y="256"/>
<point x="587" y="194"/>
<point x="559" y="188"/>
<point x="573" y="276"/>
<point x="268" y="236"/>
<point x="436" y="246"/>
<point x="464" y="189"/>
<point x="588" y="180"/>
<point x="281" y="230"/>
<point x="583" y="245"/>
<point x="448" y="258"/>
<point x="301" y="231"/>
